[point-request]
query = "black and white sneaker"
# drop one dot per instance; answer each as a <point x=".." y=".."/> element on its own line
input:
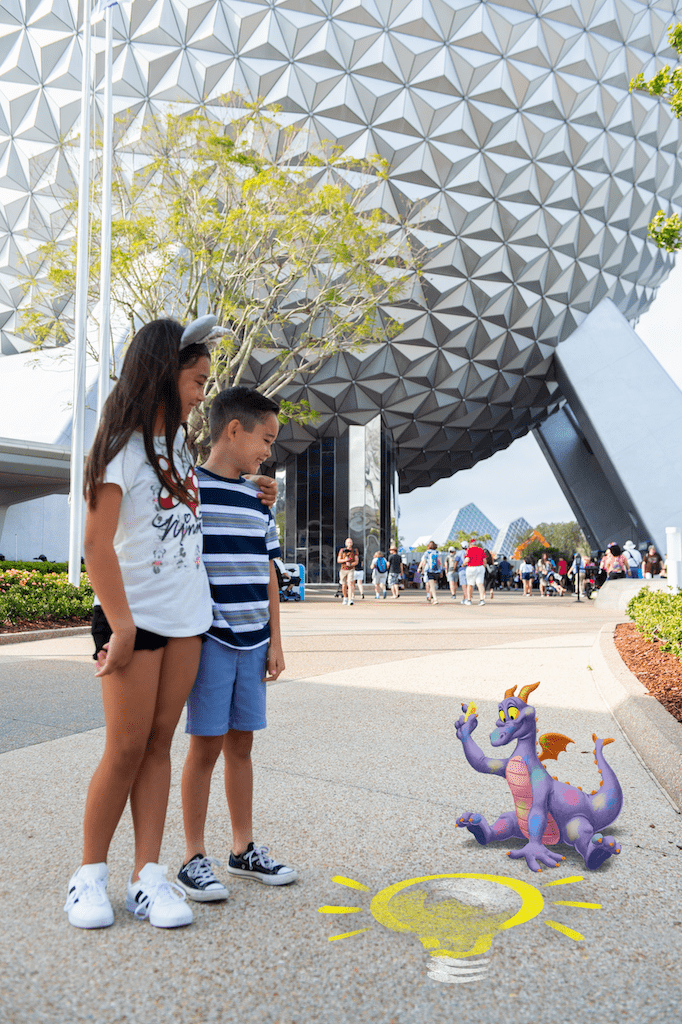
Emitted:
<point x="256" y="863"/>
<point x="197" y="879"/>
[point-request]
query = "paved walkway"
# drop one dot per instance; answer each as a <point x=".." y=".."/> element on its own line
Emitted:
<point x="359" y="776"/>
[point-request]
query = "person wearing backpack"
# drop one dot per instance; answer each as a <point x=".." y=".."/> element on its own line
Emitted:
<point x="433" y="567"/>
<point x="379" y="569"/>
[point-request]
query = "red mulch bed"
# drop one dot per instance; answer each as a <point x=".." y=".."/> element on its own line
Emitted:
<point x="25" y="625"/>
<point x="660" y="671"/>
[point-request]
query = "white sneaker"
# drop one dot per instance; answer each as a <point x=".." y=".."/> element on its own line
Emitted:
<point x="480" y="603"/>
<point x="153" y="896"/>
<point x="345" y="601"/>
<point x="350" y="601"/>
<point x="466" y="602"/>
<point x="87" y="903"/>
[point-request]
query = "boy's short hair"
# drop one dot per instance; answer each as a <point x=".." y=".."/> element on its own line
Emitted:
<point x="243" y="404"/>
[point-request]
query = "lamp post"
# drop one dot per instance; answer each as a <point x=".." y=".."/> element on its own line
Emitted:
<point x="81" y="316"/>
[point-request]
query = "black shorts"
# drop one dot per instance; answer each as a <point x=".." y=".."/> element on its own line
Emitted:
<point x="101" y="631"/>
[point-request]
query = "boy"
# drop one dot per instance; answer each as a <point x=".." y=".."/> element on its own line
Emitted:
<point x="227" y="702"/>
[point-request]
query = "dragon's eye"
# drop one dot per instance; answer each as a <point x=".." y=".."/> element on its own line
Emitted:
<point x="513" y="712"/>
<point x="503" y="717"/>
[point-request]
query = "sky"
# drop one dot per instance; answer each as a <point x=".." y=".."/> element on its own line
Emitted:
<point x="518" y="481"/>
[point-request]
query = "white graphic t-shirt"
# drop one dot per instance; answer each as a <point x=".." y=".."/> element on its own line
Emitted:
<point x="158" y="541"/>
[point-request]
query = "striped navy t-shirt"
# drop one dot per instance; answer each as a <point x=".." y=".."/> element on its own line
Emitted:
<point x="239" y="540"/>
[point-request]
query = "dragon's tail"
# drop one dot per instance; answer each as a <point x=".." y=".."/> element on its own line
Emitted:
<point x="607" y="801"/>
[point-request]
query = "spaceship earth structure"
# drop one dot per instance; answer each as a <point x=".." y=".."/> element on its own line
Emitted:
<point x="510" y="123"/>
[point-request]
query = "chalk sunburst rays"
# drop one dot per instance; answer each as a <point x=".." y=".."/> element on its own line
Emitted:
<point x="569" y="932"/>
<point x="456" y="927"/>
<point x="351" y="884"/>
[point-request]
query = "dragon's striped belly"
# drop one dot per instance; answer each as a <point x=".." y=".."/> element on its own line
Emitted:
<point x="519" y="782"/>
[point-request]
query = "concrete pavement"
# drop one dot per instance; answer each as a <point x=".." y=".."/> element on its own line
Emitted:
<point x="359" y="776"/>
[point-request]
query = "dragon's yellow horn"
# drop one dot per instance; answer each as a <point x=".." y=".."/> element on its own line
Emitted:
<point x="527" y="690"/>
<point x="510" y="692"/>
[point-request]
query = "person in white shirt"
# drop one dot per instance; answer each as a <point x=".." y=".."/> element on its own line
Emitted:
<point x="527" y="574"/>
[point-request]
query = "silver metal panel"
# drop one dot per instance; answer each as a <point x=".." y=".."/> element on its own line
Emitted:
<point x="629" y="411"/>
<point x="586" y="488"/>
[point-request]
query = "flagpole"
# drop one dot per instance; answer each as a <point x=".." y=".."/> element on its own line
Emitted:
<point x="107" y="160"/>
<point x="81" y="303"/>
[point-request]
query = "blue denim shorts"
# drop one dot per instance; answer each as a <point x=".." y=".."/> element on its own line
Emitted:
<point x="229" y="691"/>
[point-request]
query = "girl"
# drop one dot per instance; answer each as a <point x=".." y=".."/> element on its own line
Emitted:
<point x="143" y="547"/>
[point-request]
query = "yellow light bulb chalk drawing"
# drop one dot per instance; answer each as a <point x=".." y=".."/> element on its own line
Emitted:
<point x="457" y="932"/>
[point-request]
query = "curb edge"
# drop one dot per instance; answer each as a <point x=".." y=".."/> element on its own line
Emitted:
<point x="651" y="730"/>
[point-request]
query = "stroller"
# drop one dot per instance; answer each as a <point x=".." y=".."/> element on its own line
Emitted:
<point x="594" y="579"/>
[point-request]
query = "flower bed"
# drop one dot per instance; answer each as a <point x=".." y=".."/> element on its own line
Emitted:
<point x="658" y="616"/>
<point x="36" y="598"/>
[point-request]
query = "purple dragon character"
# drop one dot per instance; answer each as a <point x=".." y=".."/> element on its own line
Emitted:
<point x="546" y="811"/>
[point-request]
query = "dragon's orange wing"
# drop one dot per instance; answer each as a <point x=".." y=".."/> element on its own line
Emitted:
<point x="552" y="744"/>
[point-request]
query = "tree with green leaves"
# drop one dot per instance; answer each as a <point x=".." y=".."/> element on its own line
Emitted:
<point x="238" y="216"/>
<point x="666" y="232"/>
<point x="564" y="538"/>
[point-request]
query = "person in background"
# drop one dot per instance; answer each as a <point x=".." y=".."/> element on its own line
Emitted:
<point x="614" y="563"/>
<point x="379" y="569"/>
<point x="527" y="574"/>
<point x="651" y="563"/>
<point x="505" y="572"/>
<point x="452" y="571"/>
<point x="461" y="554"/>
<point x="577" y="573"/>
<point x="347" y="558"/>
<point x="432" y="566"/>
<point x="413" y="577"/>
<point x="475" y="562"/>
<point x="544" y="568"/>
<point x="360" y="575"/>
<point x="633" y="557"/>
<point x="491" y="572"/>
<point x="395" y="569"/>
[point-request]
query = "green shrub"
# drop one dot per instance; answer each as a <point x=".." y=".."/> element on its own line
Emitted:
<point x="38" y="595"/>
<point x="658" y="616"/>
<point x="41" y="567"/>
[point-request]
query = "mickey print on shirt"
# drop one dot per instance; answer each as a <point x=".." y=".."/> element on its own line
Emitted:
<point x="167" y="500"/>
<point x="176" y="520"/>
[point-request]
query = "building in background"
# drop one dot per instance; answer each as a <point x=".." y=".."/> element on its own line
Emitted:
<point x="523" y="164"/>
<point x="510" y="535"/>
<point x="470" y="519"/>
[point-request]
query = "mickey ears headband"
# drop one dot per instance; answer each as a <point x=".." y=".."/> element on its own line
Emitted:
<point x="199" y="332"/>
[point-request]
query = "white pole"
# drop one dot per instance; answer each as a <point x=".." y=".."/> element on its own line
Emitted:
<point x="80" y="339"/>
<point x="673" y="556"/>
<point x="107" y="158"/>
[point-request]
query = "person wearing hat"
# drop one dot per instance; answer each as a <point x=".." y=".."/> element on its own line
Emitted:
<point x="633" y="558"/>
<point x="452" y="565"/>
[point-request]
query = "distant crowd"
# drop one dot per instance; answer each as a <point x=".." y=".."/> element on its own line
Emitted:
<point x="479" y="572"/>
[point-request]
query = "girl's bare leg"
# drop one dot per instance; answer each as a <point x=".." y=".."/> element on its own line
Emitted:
<point x="149" y="793"/>
<point x="129" y="698"/>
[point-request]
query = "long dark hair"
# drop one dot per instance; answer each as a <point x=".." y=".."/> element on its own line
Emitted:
<point x="148" y="383"/>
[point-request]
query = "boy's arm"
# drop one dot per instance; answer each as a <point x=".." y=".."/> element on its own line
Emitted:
<point x="339" y="557"/>
<point x="275" y="665"/>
